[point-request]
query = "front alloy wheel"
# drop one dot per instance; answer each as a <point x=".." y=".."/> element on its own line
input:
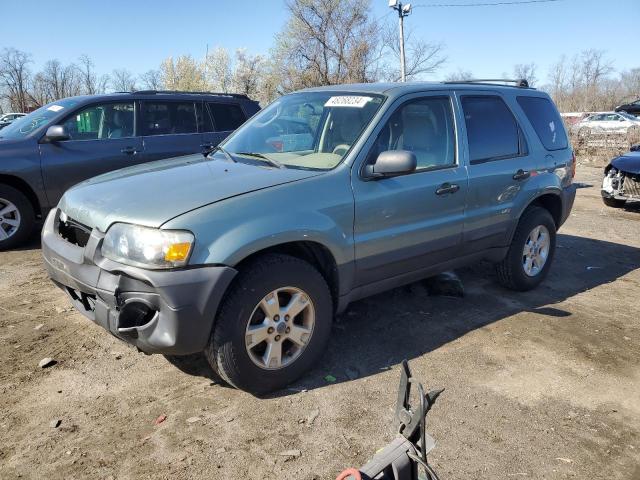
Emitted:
<point x="16" y="217"/>
<point x="272" y="325"/>
<point x="9" y="219"/>
<point x="280" y="328"/>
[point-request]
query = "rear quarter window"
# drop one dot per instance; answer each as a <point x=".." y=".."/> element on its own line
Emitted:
<point x="226" y="116"/>
<point x="546" y="121"/>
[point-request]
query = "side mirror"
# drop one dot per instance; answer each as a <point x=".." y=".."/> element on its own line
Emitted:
<point x="56" y="133"/>
<point x="392" y="163"/>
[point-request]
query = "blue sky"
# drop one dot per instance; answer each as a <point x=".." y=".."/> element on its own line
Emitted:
<point x="487" y="41"/>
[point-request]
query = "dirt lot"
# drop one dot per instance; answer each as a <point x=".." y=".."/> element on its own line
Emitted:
<point x="539" y="385"/>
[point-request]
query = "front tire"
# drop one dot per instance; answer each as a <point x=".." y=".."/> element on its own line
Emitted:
<point x="273" y="324"/>
<point x="531" y="251"/>
<point x="17" y="217"/>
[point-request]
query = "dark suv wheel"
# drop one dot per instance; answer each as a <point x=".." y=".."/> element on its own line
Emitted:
<point x="273" y="324"/>
<point x="531" y="252"/>
<point x="16" y="217"/>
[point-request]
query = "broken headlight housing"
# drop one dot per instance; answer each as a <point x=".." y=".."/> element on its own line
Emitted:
<point x="146" y="247"/>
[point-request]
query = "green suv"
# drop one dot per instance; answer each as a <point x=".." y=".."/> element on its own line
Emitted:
<point x="326" y="196"/>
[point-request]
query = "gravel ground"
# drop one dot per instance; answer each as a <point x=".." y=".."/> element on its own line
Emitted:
<point x="544" y="384"/>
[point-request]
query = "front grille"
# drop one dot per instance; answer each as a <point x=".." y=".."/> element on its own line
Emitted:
<point x="73" y="232"/>
<point x="632" y="186"/>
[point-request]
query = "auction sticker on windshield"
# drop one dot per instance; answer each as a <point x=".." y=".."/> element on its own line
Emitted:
<point x="55" y="108"/>
<point x="348" y="101"/>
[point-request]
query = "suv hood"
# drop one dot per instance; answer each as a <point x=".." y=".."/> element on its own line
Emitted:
<point x="153" y="193"/>
<point x="629" y="162"/>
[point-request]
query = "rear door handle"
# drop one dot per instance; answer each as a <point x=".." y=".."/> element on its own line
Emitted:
<point x="447" y="188"/>
<point x="521" y="174"/>
<point x="129" y="150"/>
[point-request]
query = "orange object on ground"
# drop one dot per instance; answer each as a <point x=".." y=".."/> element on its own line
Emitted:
<point x="349" y="472"/>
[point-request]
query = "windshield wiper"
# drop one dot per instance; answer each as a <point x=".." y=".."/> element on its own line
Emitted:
<point x="273" y="162"/>
<point x="226" y="154"/>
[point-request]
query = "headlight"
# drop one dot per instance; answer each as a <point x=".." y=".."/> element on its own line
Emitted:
<point x="147" y="247"/>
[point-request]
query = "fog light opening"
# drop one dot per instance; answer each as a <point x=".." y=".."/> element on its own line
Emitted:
<point x="134" y="315"/>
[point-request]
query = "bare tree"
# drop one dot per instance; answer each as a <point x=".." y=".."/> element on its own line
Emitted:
<point x="218" y="70"/>
<point x="183" y="73"/>
<point x="584" y="83"/>
<point x="526" y="71"/>
<point x="326" y="42"/>
<point x="246" y="74"/>
<point x="151" y="80"/>
<point x="122" y="80"/>
<point x="103" y="83"/>
<point x="15" y="78"/>
<point x="56" y="81"/>
<point x="89" y="80"/>
<point x="459" y="76"/>
<point x="422" y="58"/>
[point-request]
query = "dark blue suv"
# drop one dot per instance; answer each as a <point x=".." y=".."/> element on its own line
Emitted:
<point x="70" y="140"/>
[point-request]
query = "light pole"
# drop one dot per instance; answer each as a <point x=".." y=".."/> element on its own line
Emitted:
<point x="403" y="11"/>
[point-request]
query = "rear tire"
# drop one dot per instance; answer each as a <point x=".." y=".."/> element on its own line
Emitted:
<point x="515" y="271"/>
<point x="17" y="217"/>
<point x="263" y="292"/>
<point x="613" y="202"/>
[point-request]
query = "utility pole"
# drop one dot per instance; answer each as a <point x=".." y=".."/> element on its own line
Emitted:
<point x="403" y="11"/>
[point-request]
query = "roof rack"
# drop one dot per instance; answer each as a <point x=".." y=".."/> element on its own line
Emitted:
<point x="154" y="92"/>
<point x="520" y="82"/>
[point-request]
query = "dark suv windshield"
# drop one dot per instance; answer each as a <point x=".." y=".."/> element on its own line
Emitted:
<point x="23" y="126"/>
<point x="312" y="130"/>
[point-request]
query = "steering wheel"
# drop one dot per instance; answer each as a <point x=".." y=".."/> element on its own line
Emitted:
<point x="272" y="119"/>
<point x="341" y="149"/>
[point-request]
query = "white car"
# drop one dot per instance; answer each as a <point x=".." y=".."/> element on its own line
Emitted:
<point x="619" y="122"/>
<point x="7" y="118"/>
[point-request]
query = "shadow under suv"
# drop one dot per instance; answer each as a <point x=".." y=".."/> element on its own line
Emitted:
<point x="65" y="142"/>
<point x="326" y="196"/>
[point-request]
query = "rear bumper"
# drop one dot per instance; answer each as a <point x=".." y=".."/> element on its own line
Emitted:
<point x="170" y="312"/>
<point x="568" y="197"/>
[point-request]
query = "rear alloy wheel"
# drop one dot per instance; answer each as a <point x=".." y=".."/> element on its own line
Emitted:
<point x="273" y="324"/>
<point x="531" y="252"/>
<point x="16" y="217"/>
<point x="536" y="250"/>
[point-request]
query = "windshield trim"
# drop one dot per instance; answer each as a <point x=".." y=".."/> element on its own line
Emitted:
<point x="384" y="98"/>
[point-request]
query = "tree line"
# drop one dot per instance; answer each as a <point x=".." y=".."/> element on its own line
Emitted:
<point x="324" y="42"/>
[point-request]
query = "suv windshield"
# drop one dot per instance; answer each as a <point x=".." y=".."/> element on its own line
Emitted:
<point x="310" y="130"/>
<point x="23" y="126"/>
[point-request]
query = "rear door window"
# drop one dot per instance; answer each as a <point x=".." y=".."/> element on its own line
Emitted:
<point x="546" y="121"/>
<point x="168" y="118"/>
<point x="103" y="121"/>
<point x="226" y="116"/>
<point x="492" y="130"/>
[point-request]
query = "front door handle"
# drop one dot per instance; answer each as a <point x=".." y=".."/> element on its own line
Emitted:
<point x="521" y="174"/>
<point x="447" y="188"/>
<point x="129" y="150"/>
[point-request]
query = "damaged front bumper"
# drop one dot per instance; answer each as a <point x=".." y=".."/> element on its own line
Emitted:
<point x="620" y="185"/>
<point x="170" y="312"/>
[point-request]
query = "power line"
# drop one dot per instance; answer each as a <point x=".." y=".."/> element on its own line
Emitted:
<point x="484" y="4"/>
